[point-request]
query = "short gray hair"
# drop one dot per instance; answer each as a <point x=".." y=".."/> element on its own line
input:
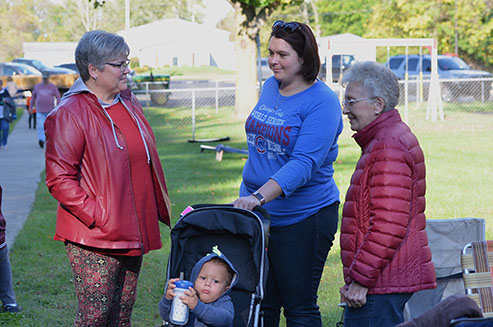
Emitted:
<point x="376" y="79"/>
<point x="98" y="48"/>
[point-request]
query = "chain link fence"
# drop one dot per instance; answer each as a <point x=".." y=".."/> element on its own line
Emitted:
<point x="193" y="101"/>
<point x="190" y="103"/>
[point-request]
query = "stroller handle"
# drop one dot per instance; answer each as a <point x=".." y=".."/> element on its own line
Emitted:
<point x="262" y="211"/>
<point x="258" y="209"/>
<point x="265" y="222"/>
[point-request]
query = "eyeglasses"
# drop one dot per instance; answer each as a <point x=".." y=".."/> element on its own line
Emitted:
<point x="122" y="66"/>
<point x="290" y="27"/>
<point x="346" y="104"/>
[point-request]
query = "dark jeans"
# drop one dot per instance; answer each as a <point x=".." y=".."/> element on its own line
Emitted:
<point x="32" y="117"/>
<point x="4" y="131"/>
<point x="297" y="255"/>
<point x="380" y="310"/>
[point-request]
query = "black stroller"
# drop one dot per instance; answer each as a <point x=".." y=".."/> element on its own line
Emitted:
<point x="241" y="235"/>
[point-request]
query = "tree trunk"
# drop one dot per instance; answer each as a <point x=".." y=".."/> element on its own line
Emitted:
<point x="246" y="93"/>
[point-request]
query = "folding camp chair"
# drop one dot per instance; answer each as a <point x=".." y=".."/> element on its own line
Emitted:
<point x="477" y="262"/>
<point x="446" y="238"/>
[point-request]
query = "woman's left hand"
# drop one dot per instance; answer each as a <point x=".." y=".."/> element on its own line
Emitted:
<point x="246" y="202"/>
<point x="356" y="295"/>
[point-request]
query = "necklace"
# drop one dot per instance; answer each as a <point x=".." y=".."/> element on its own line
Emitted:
<point x="277" y="103"/>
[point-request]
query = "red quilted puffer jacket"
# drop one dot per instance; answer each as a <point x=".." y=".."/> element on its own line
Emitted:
<point x="384" y="246"/>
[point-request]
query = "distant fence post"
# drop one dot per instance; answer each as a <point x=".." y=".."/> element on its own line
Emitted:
<point x="148" y="96"/>
<point x="217" y="97"/>
<point x="193" y="114"/>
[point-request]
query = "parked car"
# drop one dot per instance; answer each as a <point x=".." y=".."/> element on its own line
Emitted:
<point x="340" y="62"/>
<point x="44" y="68"/>
<point x="449" y="67"/>
<point x="23" y="75"/>
<point x="71" y="66"/>
<point x="26" y="76"/>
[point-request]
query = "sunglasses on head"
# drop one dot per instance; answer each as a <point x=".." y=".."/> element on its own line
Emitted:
<point x="290" y="27"/>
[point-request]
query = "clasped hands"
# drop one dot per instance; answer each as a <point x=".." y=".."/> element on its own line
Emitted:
<point x="354" y="295"/>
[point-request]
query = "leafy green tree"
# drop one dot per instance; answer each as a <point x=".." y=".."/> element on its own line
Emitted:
<point x="250" y="17"/>
<point x="436" y="19"/>
<point x="344" y="16"/>
<point x="305" y="12"/>
<point x="18" y="24"/>
<point x="475" y="29"/>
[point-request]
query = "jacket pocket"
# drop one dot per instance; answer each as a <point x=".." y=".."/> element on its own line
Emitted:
<point x="100" y="213"/>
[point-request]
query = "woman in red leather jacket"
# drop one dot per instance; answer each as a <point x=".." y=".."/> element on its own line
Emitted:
<point x="384" y="247"/>
<point x="103" y="168"/>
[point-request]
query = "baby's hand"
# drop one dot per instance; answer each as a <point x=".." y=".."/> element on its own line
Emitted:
<point x="169" y="290"/>
<point x="190" y="298"/>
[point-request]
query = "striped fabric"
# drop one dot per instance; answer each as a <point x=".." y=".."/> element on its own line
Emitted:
<point x="476" y="260"/>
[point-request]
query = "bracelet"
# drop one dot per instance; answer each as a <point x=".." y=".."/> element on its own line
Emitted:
<point x="260" y="197"/>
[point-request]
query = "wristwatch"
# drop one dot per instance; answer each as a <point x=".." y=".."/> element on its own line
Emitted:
<point x="260" y="197"/>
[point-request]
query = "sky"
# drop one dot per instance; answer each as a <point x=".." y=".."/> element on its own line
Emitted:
<point x="216" y="10"/>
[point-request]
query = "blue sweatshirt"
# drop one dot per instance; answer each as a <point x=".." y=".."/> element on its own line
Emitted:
<point x="293" y="140"/>
<point x="219" y="313"/>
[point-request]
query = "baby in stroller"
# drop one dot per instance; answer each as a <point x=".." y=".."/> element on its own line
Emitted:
<point x="208" y="300"/>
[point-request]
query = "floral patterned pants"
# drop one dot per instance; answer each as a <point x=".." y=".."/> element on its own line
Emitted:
<point x="106" y="286"/>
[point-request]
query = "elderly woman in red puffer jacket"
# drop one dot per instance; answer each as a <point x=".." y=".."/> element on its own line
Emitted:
<point x="384" y="247"/>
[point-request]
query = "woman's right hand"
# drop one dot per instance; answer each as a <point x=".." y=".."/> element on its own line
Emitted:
<point x="246" y="202"/>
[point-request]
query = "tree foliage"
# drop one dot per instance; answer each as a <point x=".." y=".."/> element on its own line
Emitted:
<point x="250" y="17"/>
<point x="18" y="24"/>
<point x="45" y="21"/>
<point x="436" y="19"/>
<point x="345" y="16"/>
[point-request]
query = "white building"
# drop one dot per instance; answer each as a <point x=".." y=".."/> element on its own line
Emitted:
<point x="169" y="42"/>
<point x="176" y="42"/>
<point x="50" y="53"/>
<point x="347" y="43"/>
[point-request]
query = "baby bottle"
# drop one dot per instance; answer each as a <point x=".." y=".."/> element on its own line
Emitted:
<point x="179" y="310"/>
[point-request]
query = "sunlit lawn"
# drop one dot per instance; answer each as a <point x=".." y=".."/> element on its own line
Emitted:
<point x="459" y="177"/>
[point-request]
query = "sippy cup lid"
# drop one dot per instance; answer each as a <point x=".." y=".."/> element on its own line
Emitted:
<point x="183" y="284"/>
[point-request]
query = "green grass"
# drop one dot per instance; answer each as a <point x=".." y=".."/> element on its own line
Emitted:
<point x="19" y="111"/>
<point x="459" y="178"/>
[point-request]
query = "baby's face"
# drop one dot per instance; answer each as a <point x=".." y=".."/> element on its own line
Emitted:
<point x="211" y="282"/>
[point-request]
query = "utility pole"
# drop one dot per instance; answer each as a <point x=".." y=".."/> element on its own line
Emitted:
<point x="456" y="31"/>
<point x="127" y="14"/>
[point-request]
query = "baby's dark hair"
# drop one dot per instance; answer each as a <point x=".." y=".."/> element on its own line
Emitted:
<point x="223" y="262"/>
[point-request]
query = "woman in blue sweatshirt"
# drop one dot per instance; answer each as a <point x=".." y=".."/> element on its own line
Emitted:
<point x="292" y="142"/>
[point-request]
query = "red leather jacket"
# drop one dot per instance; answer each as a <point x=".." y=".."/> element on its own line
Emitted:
<point x="384" y="245"/>
<point x="88" y="172"/>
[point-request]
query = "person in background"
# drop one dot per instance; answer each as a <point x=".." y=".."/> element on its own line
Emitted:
<point x="11" y="87"/>
<point x="7" y="115"/>
<point x="32" y="113"/>
<point x="45" y="97"/>
<point x="103" y="168"/>
<point x="384" y="246"/>
<point x="7" y="294"/>
<point x="292" y="138"/>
